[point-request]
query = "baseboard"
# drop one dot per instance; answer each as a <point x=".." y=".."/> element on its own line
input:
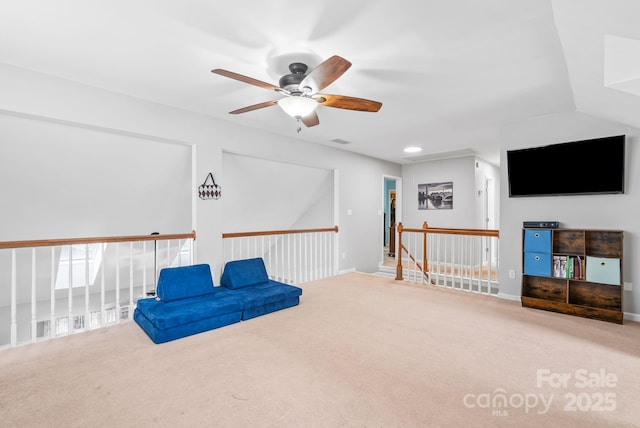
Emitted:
<point x="343" y="271"/>
<point x="506" y="296"/>
<point x="628" y="316"/>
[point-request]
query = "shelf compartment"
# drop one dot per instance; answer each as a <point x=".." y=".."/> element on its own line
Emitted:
<point x="568" y="241"/>
<point x="553" y="289"/>
<point x="596" y="295"/>
<point x="604" y="243"/>
<point x="572" y="309"/>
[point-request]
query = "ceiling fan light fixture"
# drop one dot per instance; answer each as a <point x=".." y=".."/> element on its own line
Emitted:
<point x="297" y="106"/>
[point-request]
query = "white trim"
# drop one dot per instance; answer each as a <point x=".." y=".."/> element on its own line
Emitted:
<point x="506" y="296"/>
<point x="629" y="316"/>
<point x="336" y="219"/>
<point x="95" y="127"/>
<point x="194" y="199"/>
<point x="398" y="191"/>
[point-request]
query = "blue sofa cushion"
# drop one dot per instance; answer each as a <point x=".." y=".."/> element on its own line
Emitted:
<point x="269" y="292"/>
<point x="184" y="282"/>
<point x="165" y="315"/>
<point x="256" y="311"/>
<point x="165" y="335"/>
<point x="244" y="273"/>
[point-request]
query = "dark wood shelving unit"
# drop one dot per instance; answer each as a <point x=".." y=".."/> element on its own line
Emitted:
<point x="595" y="291"/>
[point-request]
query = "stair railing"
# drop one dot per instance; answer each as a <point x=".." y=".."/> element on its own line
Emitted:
<point x="290" y="256"/>
<point x="56" y="287"/>
<point x="465" y="259"/>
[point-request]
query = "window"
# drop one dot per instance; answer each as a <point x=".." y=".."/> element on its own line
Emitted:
<point x="183" y="258"/>
<point x="74" y="261"/>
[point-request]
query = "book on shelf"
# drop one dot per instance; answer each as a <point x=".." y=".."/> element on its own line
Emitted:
<point x="570" y="267"/>
<point x="559" y="266"/>
<point x="578" y="269"/>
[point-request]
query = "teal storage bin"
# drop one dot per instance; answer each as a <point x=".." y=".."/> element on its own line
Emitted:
<point x="538" y="264"/>
<point x="537" y="241"/>
<point x="605" y="270"/>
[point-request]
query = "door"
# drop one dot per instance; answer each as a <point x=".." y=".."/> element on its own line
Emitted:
<point x="391" y="215"/>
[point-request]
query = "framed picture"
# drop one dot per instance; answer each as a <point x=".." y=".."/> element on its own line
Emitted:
<point x="435" y="196"/>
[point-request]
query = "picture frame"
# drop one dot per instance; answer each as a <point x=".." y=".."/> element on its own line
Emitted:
<point x="435" y="196"/>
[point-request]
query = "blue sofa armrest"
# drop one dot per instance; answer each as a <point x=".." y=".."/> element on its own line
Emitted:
<point x="244" y="273"/>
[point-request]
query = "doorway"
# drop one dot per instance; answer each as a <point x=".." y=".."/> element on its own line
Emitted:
<point x="489" y="219"/>
<point x="391" y="216"/>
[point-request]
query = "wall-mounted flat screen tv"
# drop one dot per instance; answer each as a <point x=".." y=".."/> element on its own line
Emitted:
<point x="586" y="167"/>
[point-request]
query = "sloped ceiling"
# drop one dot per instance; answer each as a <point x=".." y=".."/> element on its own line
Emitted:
<point x="584" y="26"/>
<point x="450" y="74"/>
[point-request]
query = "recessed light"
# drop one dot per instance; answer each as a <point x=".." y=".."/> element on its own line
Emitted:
<point x="412" y="149"/>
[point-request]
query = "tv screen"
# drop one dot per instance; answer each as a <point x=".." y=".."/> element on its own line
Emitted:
<point x="574" y="168"/>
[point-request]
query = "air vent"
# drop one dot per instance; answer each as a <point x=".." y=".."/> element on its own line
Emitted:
<point x="441" y="155"/>
<point x="341" y="141"/>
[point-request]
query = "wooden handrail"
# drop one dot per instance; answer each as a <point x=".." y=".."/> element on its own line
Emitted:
<point x="472" y="232"/>
<point x="72" y="241"/>
<point x="278" y="232"/>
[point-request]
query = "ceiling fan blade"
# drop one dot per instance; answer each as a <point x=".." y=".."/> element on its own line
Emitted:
<point x="311" y="119"/>
<point x="245" y="79"/>
<point x="254" y="107"/>
<point x="326" y="73"/>
<point x="348" y="103"/>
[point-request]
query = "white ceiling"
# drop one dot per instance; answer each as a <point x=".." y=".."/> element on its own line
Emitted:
<point x="450" y="73"/>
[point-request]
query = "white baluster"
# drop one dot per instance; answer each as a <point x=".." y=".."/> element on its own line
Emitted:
<point x="52" y="276"/>
<point x="255" y="246"/>
<point x="34" y="322"/>
<point x="289" y="258"/>
<point x="70" y="291"/>
<point x="103" y="310"/>
<point x="14" y="288"/>
<point x="262" y="246"/>
<point x="131" y="280"/>
<point x="235" y="242"/>
<point x="144" y="268"/>
<point x="117" y="282"/>
<point x="87" y="280"/>
<point x="437" y="258"/>
<point x="306" y="259"/>
<point x="282" y="269"/>
<point x="314" y="255"/>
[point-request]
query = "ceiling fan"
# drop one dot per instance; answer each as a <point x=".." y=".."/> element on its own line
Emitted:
<point x="301" y="90"/>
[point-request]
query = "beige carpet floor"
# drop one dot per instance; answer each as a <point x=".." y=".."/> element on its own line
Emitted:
<point x="359" y="351"/>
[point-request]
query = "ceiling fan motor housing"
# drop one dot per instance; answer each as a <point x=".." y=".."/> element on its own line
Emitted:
<point x="291" y="82"/>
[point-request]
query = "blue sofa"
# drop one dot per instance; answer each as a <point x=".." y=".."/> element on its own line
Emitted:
<point x="188" y="303"/>
<point x="248" y="282"/>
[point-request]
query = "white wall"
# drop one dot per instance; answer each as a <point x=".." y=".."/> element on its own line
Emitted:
<point x="460" y="171"/>
<point x="261" y="194"/>
<point x="618" y="212"/>
<point x="45" y="98"/>
<point x="61" y="181"/>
